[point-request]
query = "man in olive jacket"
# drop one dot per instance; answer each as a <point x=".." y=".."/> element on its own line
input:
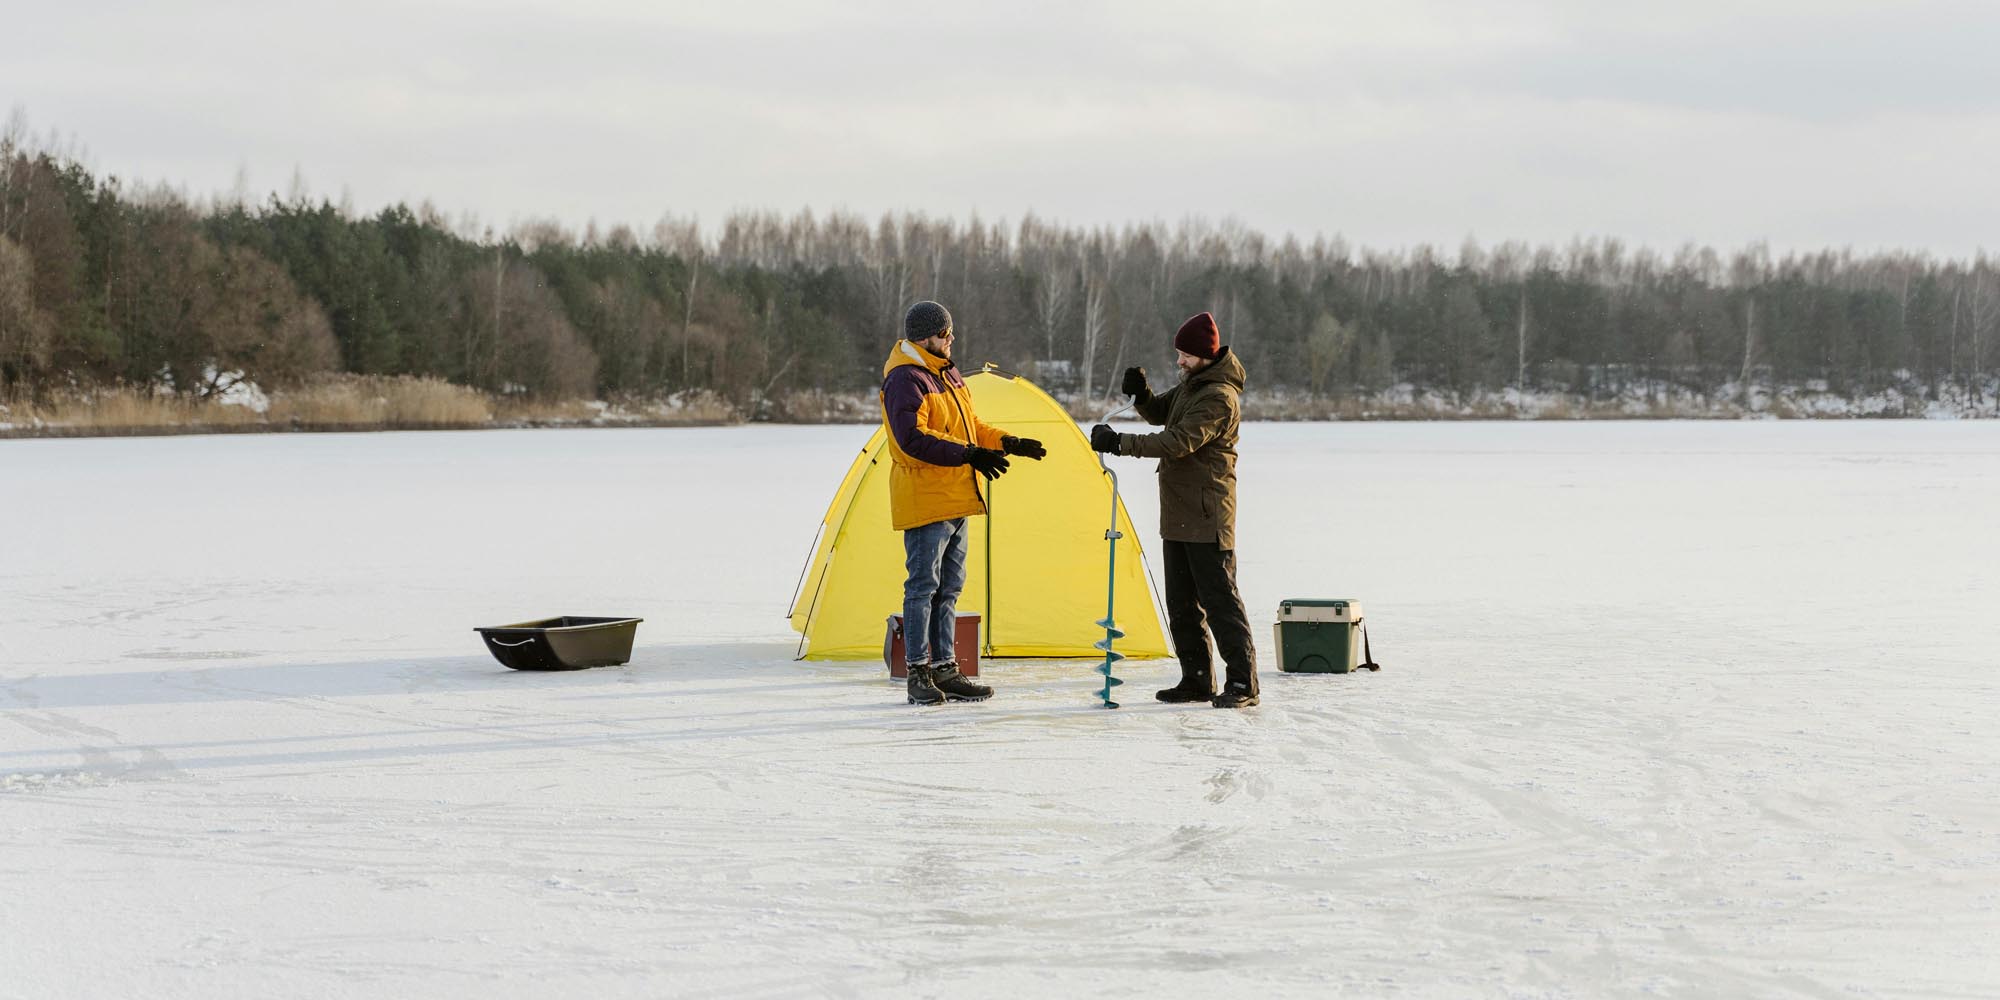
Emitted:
<point x="1197" y="453"/>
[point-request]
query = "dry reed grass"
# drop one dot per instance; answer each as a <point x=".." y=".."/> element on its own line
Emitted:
<point x="698" y="406"/>
<point x="121" y="409"/>
<point x="381" y="401"/>
<point x="344" y="401"/>
<point x="813" y="406"/>
<point x="531" y="411"/>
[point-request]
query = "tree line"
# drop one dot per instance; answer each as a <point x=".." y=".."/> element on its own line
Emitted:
<point x="102" y="283"/>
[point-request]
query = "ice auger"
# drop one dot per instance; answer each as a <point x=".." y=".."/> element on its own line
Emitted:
<point x="1111" y="537"/>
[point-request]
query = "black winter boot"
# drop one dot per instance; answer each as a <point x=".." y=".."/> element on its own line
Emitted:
<point x="923" y="690"/>
<point x="956" y="686"/>
<point x="1194" y="686"/>
<point x="1236" y="695"/>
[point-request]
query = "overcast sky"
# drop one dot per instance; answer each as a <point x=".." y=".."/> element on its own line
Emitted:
<point x="1807" y="124"/>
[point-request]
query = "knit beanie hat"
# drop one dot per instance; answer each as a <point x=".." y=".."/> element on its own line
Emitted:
<point x="925" y="320"/>
<point x="1199" y="337"/>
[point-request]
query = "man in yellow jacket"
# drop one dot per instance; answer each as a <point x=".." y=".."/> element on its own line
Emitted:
<point x="939" y="450"/>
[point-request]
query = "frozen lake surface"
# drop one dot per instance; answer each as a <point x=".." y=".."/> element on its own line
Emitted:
<point x="1668" y="709"/>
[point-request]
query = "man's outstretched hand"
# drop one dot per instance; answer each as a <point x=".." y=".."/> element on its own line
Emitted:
<point x="986" y="461"/>
<point x="1024" y="447"/>
<point x="1135" y="383"/>
<point x="1103" y="438"/>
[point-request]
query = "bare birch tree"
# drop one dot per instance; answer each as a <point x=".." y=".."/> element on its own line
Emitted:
<point x="1094" y="294"/>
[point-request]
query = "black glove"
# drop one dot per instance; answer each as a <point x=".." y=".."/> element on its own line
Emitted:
<point x="986" y="461"/>
<point x="1024" y="447"/>
<point x="1103" y="438"/>
<point x="1135" y="383"/>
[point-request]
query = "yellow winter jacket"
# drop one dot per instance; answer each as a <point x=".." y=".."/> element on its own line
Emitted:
<point x="928" y="414"/>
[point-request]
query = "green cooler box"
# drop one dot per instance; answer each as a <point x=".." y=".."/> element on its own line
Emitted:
<point x="1319" y="637"/>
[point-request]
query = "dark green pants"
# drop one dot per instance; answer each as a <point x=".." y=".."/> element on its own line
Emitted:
<point x="1202" y="598"/>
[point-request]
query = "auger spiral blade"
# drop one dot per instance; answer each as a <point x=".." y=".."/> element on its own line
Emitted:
<point x="1109" y="622"/>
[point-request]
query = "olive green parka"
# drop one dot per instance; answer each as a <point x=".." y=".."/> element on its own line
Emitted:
<point x="1197" y="452"/>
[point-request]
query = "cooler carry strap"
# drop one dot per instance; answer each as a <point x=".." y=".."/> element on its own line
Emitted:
<point x="1367" y="653"/>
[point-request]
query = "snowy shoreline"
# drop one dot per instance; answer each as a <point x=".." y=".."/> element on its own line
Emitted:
<point x="1402" y="403"/>
<point x="365" y="403"/>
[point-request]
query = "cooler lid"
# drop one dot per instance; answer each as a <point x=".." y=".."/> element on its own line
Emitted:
<point x="1307" y="609"/>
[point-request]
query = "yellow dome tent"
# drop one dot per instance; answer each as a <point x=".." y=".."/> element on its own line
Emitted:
<point x="1035" y="569"/>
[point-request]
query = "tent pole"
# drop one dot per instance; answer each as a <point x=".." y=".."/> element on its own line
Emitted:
<point x="988" y="620"/>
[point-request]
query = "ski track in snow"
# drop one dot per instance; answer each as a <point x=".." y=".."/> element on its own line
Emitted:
<point x="1668" y="710"/>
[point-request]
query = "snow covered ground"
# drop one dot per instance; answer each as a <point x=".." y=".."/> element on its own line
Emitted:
<point x="1673" y="709"/>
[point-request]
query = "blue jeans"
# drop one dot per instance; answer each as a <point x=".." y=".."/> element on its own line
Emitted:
<point x="934" y="558"/>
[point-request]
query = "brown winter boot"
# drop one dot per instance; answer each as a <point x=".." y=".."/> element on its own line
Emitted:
<point x="956" y="686"/>
<point x="923" y="690"/>
<point x="1236" y="695"/>
<point x="1194" y="686"/>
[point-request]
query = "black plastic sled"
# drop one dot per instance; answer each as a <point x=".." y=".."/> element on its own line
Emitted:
<point x="566" y="643"/>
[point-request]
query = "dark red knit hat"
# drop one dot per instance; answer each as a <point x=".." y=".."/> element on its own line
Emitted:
<point x="1199" y="337"/>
